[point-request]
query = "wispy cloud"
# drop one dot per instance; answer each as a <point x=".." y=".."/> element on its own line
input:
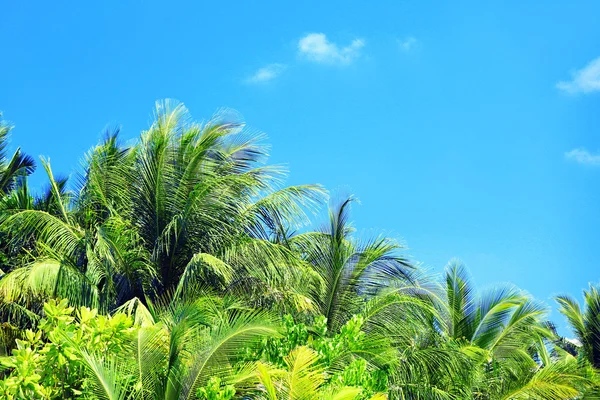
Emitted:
<point x="316" y="47"/>
<point x="266" y="74"/>
<point x="582" y="156"/>
<point x="407" y="44"/>
<point x="585" y="80"/>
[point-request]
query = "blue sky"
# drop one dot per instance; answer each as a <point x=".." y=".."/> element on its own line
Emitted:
<point x="468" y="129"/>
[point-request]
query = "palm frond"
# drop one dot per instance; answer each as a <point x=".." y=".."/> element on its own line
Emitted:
<point x="223" y="347"/>
<point x="108" y="379"/>
<point x="558" y="381"/>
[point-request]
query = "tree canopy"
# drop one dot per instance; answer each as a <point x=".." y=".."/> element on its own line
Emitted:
<point x="182" y="267"/>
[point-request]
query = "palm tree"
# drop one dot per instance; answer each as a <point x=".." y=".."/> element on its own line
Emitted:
<point x="202" y="190"/>
<point x="190" y="203"/>
<point x="368" y="279"/>
<point x="351" y="270"/>
<point x="584" y="323"/>
<point x="13" y="189"/>
<point x="13" y="186"/>
<point x="502" y="330"/>
<point x="403" y="338"/>
<point x="504" y="321"/>
<point x="190" y="233"/>
<point x="88" y="263"/>
<point x="19" y="165"/>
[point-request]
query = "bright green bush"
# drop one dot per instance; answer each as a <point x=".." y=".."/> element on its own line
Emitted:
<point x="48" y="363"/>
<point x="339" y="350"/>
<point x="67" y="355"/>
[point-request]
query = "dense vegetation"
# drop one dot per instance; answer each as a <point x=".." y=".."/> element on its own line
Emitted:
<point x="180" y="267"/>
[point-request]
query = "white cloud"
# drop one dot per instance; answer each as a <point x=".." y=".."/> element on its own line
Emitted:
<point x="582" y="156"/>
<point x="585" y="80"/>
<point x="407" y="44"/>
<point x="316" y="47"/>
<point x="267" y="73"/>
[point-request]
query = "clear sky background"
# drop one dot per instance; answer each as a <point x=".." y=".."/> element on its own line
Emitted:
<point x="468" y="129"/>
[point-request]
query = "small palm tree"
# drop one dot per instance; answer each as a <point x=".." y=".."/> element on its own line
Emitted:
<point x="13" y="192"/>
<point x="504" y="320"/>
<point x="15" y="167"/>
<point x="350" y="269"/>
<point x="584" y="323"/>
<point x="503" y="331"/>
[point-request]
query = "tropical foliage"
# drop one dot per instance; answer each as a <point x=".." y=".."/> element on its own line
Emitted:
<point x="181" y="267"/>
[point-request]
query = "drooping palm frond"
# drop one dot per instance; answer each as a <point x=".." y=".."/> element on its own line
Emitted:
<point x="400" y="319"/>
<point x="269" y="275"/>
<point x="205" y="268"/>
<point x="493" y="309"/>
<point x="521" y="333"/>
<point x="221" y="348"/>
<point x="50" y="223"/>
<point x="45" y="279"/>
<point x="112" y="262"/>
<point x="63" y="238"/>
<point x="562" y="380"/>
<point x="282" y="208"/>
